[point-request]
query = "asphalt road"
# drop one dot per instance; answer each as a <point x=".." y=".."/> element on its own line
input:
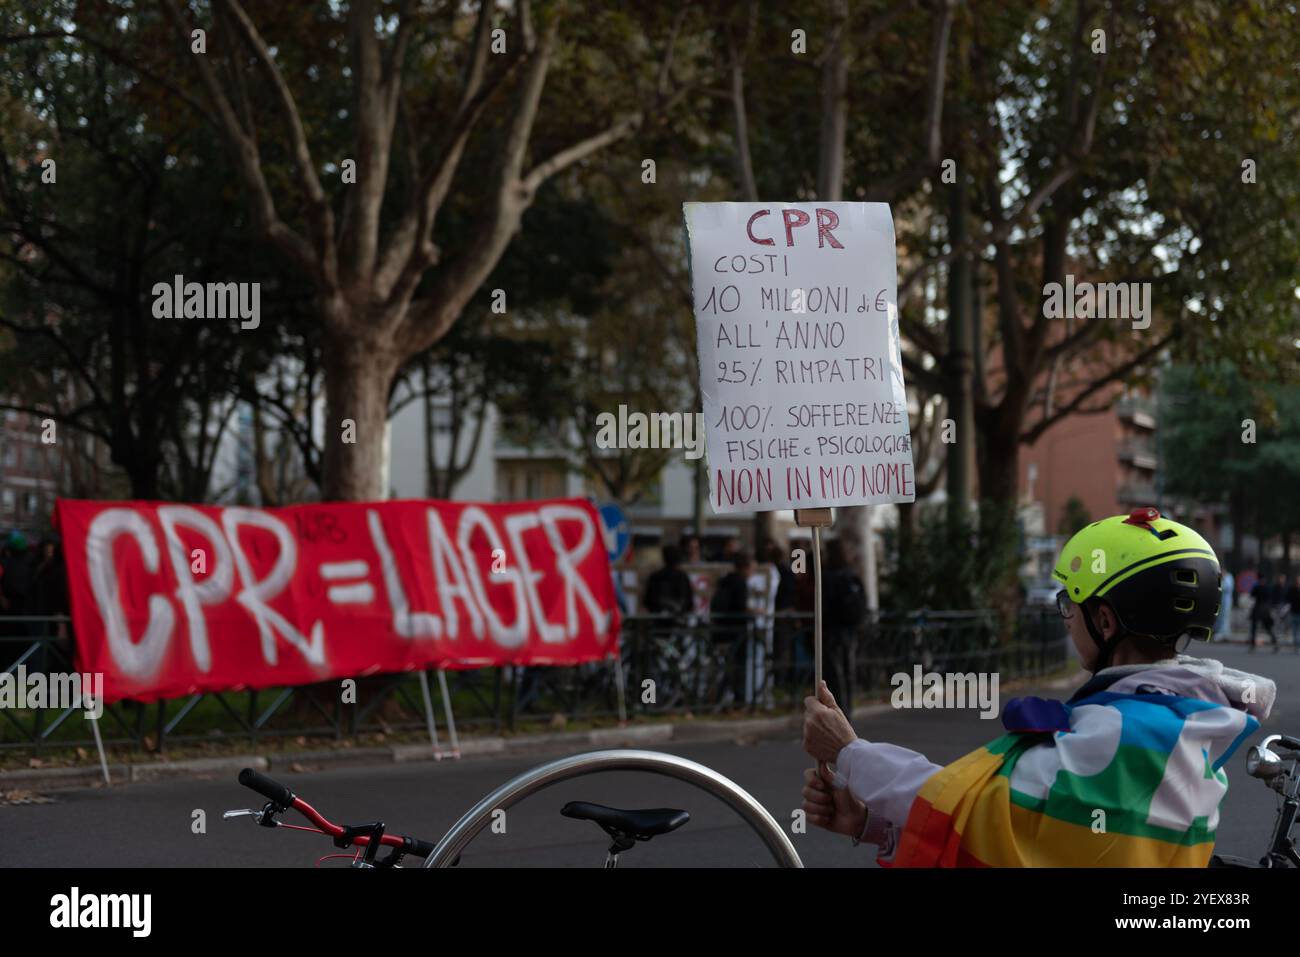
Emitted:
<point x="150" y="825"/>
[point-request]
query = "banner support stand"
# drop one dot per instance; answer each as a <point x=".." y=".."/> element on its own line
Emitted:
<point x="451" y="718"/>
<point x="99" y="746"/>
<point x="428" y="715"/>
<point x="816" y="519"/>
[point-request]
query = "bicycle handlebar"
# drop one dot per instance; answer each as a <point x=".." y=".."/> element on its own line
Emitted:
<point x="284" y="799"/>
<point x="273" y="791"/>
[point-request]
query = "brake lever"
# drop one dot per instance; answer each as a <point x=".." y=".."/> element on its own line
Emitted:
<point x="242" y="812"/>
<point x="258" y="816"/>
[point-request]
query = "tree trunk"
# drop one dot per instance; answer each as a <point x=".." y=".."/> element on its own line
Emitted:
<point x="699" y="495"/>
<point x="906" y="532"/>
<point x="263" y="463"/>
<point x="854" y="521"/>
<point x="1000" y="466"/>
<point x="999" y="493"/>
<point x="143" y="476"/>
<point x="359" y="370"/>
<point x="141" y="460"/>
<point x="961" y="406"/>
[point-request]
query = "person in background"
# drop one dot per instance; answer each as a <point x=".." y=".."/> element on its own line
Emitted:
<point x="668" y="590"/>
<point x="783" y="632"/>
<point x="784" y="600"/>
<point x="50" y="585"/>
<point x="1246" y="582"/>
<point x="689" y="546"/>
<point x="670" y="596"/>
<point x="19" y="565"/>
<point x="1261" y="612"/>
<point x="19" y="568"/>
<point x="729" y="610"/>
<point x="844" y="609"/>
<point x="1281" y="607"/>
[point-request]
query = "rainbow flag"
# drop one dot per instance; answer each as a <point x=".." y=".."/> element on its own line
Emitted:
<point x="1135" y="781"/>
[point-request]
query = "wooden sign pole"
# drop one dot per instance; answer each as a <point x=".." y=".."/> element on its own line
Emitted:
<point x="816" y="519"/>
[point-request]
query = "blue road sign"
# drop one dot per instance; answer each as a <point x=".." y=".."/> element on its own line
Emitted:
<point x="618" y="536"/>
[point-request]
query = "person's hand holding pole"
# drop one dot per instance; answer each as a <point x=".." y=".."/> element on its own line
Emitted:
<point x="826" y="730"/>
<point x="829" y="807"/>
<point x="825" y="733"/>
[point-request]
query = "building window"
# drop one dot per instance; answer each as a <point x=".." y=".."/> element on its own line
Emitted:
<point x="530" y="479"/>
<point x="440" y="418"/>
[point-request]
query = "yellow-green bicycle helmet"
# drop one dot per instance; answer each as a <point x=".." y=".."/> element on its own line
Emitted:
<point x="1161" y="578"/>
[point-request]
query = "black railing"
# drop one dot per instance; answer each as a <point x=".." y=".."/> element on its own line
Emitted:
<point x="669" y="666"/>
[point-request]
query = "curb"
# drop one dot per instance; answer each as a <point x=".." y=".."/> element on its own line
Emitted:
<point x="198" y="767"/>
<point x="340" y="756"/>
<point x="50" y="779"/>
<point x="692" y="731"/>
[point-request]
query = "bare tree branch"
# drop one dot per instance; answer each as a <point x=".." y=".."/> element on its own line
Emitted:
<point x="1078" y="143"/>
<point x="410" y="249"/>
<point x="1116" y="374"/>
<point x="920" y="375"/>
<point x="71" y="418"/>
<point x="619" y="129"/>
<point x="375" y="119"/>
<point x="247" y="161"/>
<point x="319" y="214"/>
<point x="905" y="179"/>
<point x="579" y="151"/>
<point x="118" y="57"/>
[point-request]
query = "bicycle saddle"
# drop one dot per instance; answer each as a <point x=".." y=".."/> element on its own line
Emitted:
<point x="640" y="825"/>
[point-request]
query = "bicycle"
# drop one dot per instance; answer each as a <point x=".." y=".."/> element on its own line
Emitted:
<point x="625" y="827"/>
<point x="1264" y="763"/>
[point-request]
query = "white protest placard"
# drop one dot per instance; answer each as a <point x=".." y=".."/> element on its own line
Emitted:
<point x="796" y="321"/>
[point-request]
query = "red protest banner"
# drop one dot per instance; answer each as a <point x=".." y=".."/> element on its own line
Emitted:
<point x="171" y="599"/>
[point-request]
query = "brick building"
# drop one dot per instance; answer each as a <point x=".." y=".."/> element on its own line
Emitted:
<point x="1107" y="460"/>
<point x="30" y="473"/>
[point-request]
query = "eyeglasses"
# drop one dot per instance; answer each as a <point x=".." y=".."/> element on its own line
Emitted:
<point x="1064" y="605"/>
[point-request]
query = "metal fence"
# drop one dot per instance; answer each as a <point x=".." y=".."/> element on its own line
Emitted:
<point x="668" y="667"/>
